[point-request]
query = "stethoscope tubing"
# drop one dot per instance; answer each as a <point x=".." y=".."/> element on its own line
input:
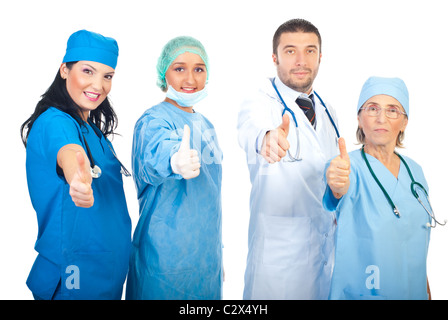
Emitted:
<point x="286" y="108"/>
<point x="95" y="170"/>
<point x="414" y="185"/>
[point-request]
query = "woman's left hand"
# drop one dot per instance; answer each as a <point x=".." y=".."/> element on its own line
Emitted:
<point x="339" y="171"/>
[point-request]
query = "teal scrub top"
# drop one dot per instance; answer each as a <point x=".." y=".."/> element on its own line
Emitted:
<point x="85" y="250"/>
<point x="177" y="249"/>
<point x="379" y="256"/>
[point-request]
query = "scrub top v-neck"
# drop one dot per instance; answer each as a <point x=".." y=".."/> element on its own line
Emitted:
<point x="91" y="243"/>
<point x="378" y="255"/>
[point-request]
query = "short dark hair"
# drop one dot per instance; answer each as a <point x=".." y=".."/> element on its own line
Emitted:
<point x="295" y="25"/>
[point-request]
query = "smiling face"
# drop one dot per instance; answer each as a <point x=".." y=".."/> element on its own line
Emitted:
<point x="297" y="60"/>
<point x="381" y="131"/>
<point x="88" y="84"/>
<point x="187" y="73"/>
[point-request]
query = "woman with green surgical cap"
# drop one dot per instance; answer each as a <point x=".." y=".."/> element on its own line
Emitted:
<point x="177" y="249"/>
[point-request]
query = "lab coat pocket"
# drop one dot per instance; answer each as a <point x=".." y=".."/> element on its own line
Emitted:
<point x="286" y="240"/>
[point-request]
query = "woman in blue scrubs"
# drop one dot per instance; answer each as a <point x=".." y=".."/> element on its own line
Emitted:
<point x="380" y="253"/>
<point x="177" y="250"/>
<point x="74" y="179"/>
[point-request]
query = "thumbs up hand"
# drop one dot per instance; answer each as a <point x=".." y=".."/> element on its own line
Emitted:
<point x="186" y="161"/>
<point x="338" y="172"/>
<point x="275" y="145"/>
<point x="81" y="183"/>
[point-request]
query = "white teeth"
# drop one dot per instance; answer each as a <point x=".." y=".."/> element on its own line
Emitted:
<point x="92" y="95"/>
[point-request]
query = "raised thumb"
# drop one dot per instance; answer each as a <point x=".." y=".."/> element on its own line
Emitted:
<point x="185" y="143"/>
<point x="83" y="174"/>
<point x="343" y="149"/>
<point x="285" y="124"/>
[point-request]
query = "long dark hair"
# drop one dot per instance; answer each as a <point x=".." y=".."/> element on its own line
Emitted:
<point x="57" y="96"/>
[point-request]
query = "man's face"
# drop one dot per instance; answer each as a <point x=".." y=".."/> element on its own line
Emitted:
<point x="297" y="60"/>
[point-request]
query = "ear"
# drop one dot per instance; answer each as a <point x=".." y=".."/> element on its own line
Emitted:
<point x="405" y="123"/>
<point x="63" y="71"/>
<point x="274" y="58"/>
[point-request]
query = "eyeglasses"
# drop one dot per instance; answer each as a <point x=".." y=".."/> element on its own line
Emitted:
<point x="391" y="112"/>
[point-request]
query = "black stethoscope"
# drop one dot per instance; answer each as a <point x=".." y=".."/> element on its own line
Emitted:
<point x="95" y="170"/>
<point x="414" y="187"/>
<point x="286" y="108"/>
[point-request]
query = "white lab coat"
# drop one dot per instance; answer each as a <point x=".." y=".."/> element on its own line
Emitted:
<point x="291" y="236"/>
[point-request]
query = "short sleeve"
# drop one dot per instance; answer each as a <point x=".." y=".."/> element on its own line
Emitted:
<point x="50" y="132"/>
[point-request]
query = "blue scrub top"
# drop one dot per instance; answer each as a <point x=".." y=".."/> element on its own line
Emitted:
<point x="379" y="256"/>
<point x="177" y="250"/>
<point x="86" y="250"/>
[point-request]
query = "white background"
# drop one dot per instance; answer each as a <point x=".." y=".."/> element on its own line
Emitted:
<point x="406" y="39"/>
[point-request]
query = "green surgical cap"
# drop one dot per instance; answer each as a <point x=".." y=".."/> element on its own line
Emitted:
<point x="172" y="50"/>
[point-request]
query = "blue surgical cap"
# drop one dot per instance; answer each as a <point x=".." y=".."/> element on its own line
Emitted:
<point x="85" y="45"/>
<point x="172" y="50"/>
<point x="394" y="87"/>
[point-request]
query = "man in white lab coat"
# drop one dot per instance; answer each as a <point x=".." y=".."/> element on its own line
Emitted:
<point x="291" y="236"/>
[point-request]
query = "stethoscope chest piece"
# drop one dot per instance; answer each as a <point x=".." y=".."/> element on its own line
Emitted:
<point x="95" y="171"/>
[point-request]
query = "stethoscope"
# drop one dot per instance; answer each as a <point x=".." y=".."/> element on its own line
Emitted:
<point x="286" y="108"/>
<point x="414" y="187"/>
<point x="95" y="170"/>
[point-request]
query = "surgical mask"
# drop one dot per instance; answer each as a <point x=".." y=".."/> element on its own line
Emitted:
<point x="186" y="99"/>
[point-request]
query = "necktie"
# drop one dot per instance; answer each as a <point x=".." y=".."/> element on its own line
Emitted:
<point x="306" y="104"/>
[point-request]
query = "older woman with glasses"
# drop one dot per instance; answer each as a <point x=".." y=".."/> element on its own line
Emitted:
<point x="382" y="236"/>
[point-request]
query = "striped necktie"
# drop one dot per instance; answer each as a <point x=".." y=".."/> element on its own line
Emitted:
<point x="306" y="104"/>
